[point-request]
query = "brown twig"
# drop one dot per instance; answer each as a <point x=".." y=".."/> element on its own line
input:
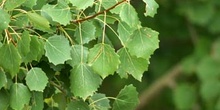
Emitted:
<point x="101" y="12"/>
<point x="165" y="81"/>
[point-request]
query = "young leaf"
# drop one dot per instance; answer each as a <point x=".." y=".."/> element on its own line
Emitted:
<point x="78" y="105"/>
<point x="84" y="82"/>
<point x="30" y="3"/>
<point x="4" y="96"/>
<point x="37" y="101"/>
<point x="4" y="19"/>
<point x="82" y="4"/>
<point x="127" y="99"/>
<point x="143" y="43"/>
<point x="129" y="15"/>
<point x="76" y="51"/>
<point x="3" y="79"/>
<point x="151" y="7"/>
<point x="11" y="4"/>
<point x="103" y="59"/>
<point x="210" y="89"/>
<point x="36" y="79"/>
<point x="24" y="44"/>
<point x="100" y="102"/>
<point x="59" y="12"/>
<point x="20" y="96"/>
<point x="131" y="65"/>
<point x="39" y="22"/>
<point x="10" y="59"/>
<point x="57" y="49"/>
<point x="86" y="31"/>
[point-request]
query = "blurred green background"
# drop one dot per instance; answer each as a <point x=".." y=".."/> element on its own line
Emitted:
<point x="189" y="42"/>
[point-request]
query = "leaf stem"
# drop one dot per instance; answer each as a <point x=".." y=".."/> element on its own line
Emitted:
<point x="103" y="33"/>
<point x="67" y="35"/>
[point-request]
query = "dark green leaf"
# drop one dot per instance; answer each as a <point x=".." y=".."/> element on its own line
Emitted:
<point x="11" y="4"/>
<point x="3" y="79"/>
<point x="60" y="99"/>
<point x="84" y="82"/>
<point x="36" y="79"/>
<point x="100" y="102"/>
<point x="24" y="44"/>
<point x="10" y="59"/>
<point x="20" y="96"/>
<point x="103" y="59"/>
<point x="4" y="19"/>
<point x="37" y="101"/>
<point x="151" y="7"/>
<point x="78" y="105"/>
<point x="4" y="96"/>
<point x="127" y="99"/>
<point x="57" y="49"/>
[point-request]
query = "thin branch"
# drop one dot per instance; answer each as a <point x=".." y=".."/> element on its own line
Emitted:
<point x="93" y="16"/>
<point x="165" y="81"/>
<point x="58" y="87"/>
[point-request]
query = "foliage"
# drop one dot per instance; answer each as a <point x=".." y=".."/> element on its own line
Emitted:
<point x="56" y="53"/>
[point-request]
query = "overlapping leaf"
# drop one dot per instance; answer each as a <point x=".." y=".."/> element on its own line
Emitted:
<point x="82" y="4"/>
<point x="11" y="4"/>
<point x="84" y="82"/>
<point x="131" y="65"/>
<point x="151" y="7"/>
<point x="59" y="12"/>
<point x="5" y="19"/>
<point x="103" y="59"/>
<point x="19" y="96"/>
<point x="127" y="99"/>
<point x="80" y="105"/>
<point x="10" y="59"/>
<point x="57" y="49"/>
<point x="100" y="102"/>
<point x="143" y="42"/>
<point x="3" y="79"/>
<point x="36" y="79"/>
<point x="24" y="44"/>
<point x="30" y="3"/>
<point x="4" y="95"/>
<point x="37" y="101"/>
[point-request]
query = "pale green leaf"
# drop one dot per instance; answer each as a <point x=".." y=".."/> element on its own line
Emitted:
<point x="36" y="79"/>
<point x="30" y="3"/>
<point x="57" y="49"/>
<point x="82" y="4"/>
<point x="3" y="78"/>
<point x="23" y="44"/>
<point x="150" y="8"/>
<point x="210" y="89"/>
<point x="127" y="99"/>
<point x="100" y="102"/>
<point x="184" y="97"/>
<point x="59" y="12"/>
<point x="20" y="96"/>
<point x="39" y="22"/>
<point x="10" y="59"/>
<point x="131" y="65"/>
<point x="129" y="15"/>
<point x="103" y="59"/>
<point x="125" y="32"/>
<point x="11" y="4"/>
<point x="76" y="56"/>
<point x="143" y="42"/>
<point x="4" y="19"/>
<point x="37" y="101"/>
<point x="84" y="82"/>
<point x="4" y="96"/>
<point x="85" y="32"/>
<point x="78" y="105"/>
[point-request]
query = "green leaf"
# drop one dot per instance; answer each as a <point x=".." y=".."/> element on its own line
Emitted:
<point x="127" y="99"/>
<point x="5" y="19"/>
<point x="60" y="99"/>
<point x="11" y="4"/>
<point x="85" y="32"/>
<point x="83" y="81"/>
<point x="77" y="105"/>
<point x="20" y="96"/>
<point x="184" y="97"/>
<point x="37" y="101"/>
<point x="82" y="4"/>
<point x="129" y="15"/>
<point x="100" y="102"/>
<point x="10" y="59"/>
<point x="109" y="3"/>
<point x="216" y="49"/>
<point x="30" y="3"/>
<point x="3" y="78"/>
<point x="57" y="49"/>
<point x="131" y="65"/>
<point x="143" y="42"/>
<point x="36" y="79"/>
<point x="4" y="96"/>
<point x="39" y="22"/>
<point x="125" y="32"/>
<point x="103" y="59"/>
<point x="210" y="90"/>
<point x="76" y="51"/>
<point x="150" y="8"/>
<point x="24" y="44"/>
<point x="59" y="12"/>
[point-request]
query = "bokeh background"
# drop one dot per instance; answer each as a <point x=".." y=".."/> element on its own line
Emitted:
<point x="184" y="73"/>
